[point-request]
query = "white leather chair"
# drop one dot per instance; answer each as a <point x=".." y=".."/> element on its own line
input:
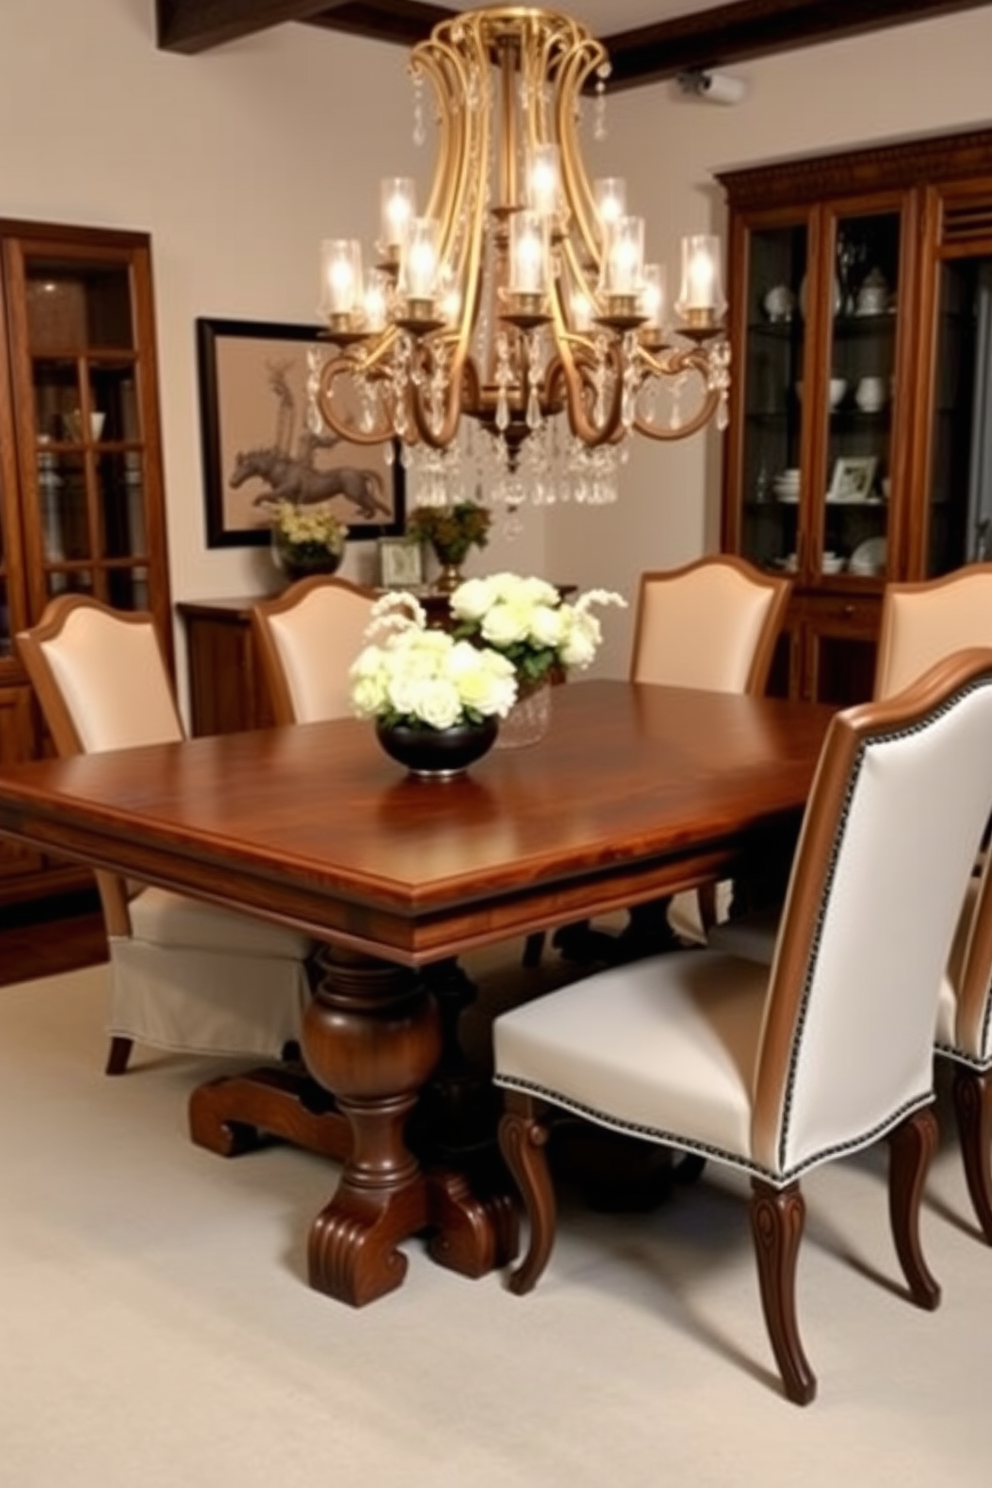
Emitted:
<point x="774" y="1070"/>
<point x="185" y="975"/>
<point x="306" y="639"/>
<point x="712" y="624"/>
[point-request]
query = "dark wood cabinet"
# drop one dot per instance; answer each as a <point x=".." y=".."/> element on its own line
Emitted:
<point x="226" y="691"/>
<point x="81" y="502"/>
<point x="861" y="320"/>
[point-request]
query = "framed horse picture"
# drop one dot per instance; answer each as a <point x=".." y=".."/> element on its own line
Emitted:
<point x="261" y="444"/>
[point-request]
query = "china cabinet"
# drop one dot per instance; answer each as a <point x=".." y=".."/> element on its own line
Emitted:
<point x="81" y="503"/>
<point x="861" y="365"/>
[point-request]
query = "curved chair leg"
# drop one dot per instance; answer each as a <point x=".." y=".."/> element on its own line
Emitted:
<point x="911" y="1147"/>
<point x="973" y="1108"/>
<point x="118" y="1055"/>
<point x="522" y="1140"/>
<point x="777" y="1219"/>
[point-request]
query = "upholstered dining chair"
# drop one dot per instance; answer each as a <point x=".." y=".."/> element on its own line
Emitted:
<point x="776" y="1069"/>
<point x="921" y="623"/>
<point x="185" y="975"/>
<point x="713" y="624"/>
<point x="306" y="639"/>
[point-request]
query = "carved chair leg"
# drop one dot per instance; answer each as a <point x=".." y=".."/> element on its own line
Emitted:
<point x="777" y="1218"/>
<point x="911" y="1148"/>
<point x="522" y="1140"/>
<point x="973" y="1108"/>
<point x="118" y="1055"/>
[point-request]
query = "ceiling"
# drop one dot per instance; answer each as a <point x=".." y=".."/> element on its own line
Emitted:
<point x="646" y="39"/>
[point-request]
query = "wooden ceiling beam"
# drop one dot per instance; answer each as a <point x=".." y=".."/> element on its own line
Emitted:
<point x="755" y="28"/>
<point x="717" y="37"/>
<point x="192" y="26"/>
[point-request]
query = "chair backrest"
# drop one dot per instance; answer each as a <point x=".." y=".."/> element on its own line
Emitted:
<point x="712" y="624"/>
<point x="887" y="846"/>
<point x="100" y="676"/>
<point x="923" y="622"/>
<point x="306" y="639"/>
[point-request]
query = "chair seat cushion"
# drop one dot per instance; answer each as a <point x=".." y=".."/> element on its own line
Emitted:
<point x="666" y="1046"/>
<point x="174" y="920"/>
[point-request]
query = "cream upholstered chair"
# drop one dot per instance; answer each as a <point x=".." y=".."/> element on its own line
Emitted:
<point x="923" y="622"/>
<point x="777" y="1069"/>
<point x="712" y="624"/>
<point x="185" y="975"/>
<point x="306" y="639"/>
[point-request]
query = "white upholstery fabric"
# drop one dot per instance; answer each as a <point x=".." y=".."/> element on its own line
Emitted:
<point x="721" y="1054"/>
<point x="317" y="640"/>
<point x="700" y="630"/>
<point x="205" y="980"/>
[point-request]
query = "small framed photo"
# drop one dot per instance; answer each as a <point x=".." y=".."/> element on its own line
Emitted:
<point x="401" y="563"/>
<point x="852" y="479"/>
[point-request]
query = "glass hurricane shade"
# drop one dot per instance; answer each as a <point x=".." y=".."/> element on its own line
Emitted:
<point x="701" y="293"/>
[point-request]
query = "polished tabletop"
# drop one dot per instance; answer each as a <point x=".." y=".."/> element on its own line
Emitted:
<point x="637" y="790"/>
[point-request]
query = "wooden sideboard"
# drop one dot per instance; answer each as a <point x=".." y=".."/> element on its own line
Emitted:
<point x="226" y="691"/>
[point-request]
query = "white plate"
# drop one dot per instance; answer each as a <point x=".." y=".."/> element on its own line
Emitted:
<point x="868" y="557"/>
<point x="790" y="497"/>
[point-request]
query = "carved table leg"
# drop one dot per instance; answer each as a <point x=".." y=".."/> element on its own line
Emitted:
<point x="372" y="1036"/>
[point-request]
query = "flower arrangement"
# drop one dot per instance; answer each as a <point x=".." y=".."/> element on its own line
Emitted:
<point x="307" y="536"/>
<point x="409" y="674"/>
<point x="526" y="621"/>
<point x="451" y="530"/>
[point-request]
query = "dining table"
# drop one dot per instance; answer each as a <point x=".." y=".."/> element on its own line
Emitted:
<point x="636" y="792"/>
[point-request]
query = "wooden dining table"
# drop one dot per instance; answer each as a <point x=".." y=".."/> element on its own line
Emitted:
<point x="637" y="791"/>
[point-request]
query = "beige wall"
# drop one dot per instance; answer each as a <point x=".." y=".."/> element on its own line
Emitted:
<point x="239" y="161"/>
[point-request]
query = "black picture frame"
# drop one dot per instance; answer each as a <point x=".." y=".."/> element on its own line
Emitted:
<point x="252" y="380"/>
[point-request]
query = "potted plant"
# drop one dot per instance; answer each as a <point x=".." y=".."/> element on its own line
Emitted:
<point x="451" y="530"/>
<point x="436" y="699"/>
<point x="526" y="621"/>
<point x="306" y="539"/>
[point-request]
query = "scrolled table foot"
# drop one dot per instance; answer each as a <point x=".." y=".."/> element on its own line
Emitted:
<point x="473" y="1235"/>
<point x="352" y="1250"/>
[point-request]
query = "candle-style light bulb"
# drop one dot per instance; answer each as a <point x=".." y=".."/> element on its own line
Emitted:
<point x="419" y="262"/>
<point x="701" y="295"/>
<point x="527" y="254"/>
<point x="340" y="278"/>
<point x="543" y="177"/>
<point x="397" y="212"/>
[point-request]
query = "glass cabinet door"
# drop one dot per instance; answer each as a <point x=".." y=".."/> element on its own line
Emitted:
<point x="774" y="337"/>
<point x="83" y="461"/>
<point x="855" y="396"/>
<point x="959" y="522"/>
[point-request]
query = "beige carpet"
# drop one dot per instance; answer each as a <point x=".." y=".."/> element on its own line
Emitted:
<point x="156" y="1327"/>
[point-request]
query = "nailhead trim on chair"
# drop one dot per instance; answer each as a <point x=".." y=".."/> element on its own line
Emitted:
<point x="706" y="1149"/>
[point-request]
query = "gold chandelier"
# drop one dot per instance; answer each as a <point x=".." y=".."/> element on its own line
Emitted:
<point x="519" y="296"/>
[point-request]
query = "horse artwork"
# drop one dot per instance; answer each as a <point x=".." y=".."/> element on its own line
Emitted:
<point x="263" y="442"/>
<point x="290" y="478"/>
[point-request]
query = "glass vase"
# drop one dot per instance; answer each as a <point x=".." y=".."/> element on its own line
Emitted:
<point x="528" y="720"/>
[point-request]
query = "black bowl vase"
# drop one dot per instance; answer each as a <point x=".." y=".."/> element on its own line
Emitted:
<point x="437" y="754"/>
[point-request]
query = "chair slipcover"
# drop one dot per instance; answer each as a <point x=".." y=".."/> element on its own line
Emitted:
<point x="185" y="975"/>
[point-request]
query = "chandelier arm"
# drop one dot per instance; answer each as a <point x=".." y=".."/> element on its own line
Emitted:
<point x="342" y="425"/>
<point x="689" y="426"/>
<point x="565" y="370"/>
<point x="577" y="69"/>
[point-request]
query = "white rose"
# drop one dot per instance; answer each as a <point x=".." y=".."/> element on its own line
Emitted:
<point x="506" y="624"/>
<point x="471" y="600"/>
<point x="548" y="626"/>
<point x="439" y="704"/>
<point x="582" y="640"/>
